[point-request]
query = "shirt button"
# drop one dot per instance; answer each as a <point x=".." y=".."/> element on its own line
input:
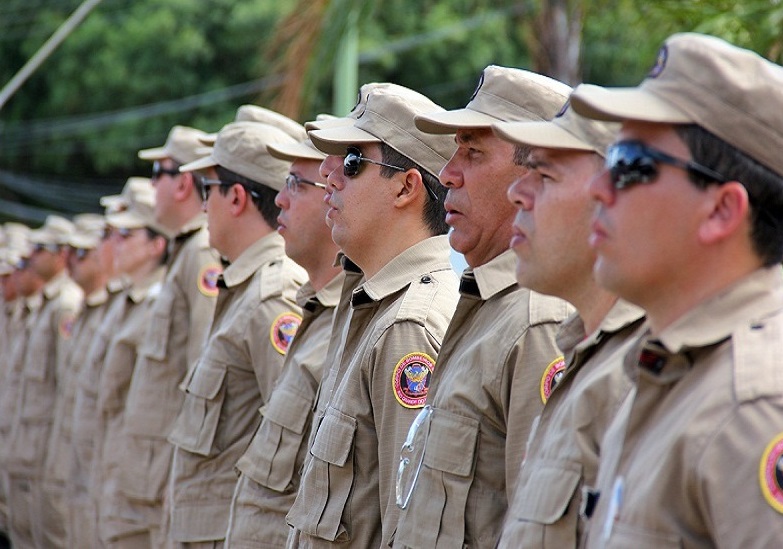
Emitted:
<point x="426" y="279"/>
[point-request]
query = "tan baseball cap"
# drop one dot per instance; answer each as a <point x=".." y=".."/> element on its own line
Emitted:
<point x="732" y="92"/>
<point x="567" y="130"/>
<point x="88" y="231"/>
<point x="181" y="146"/>
<point x="140" y="212"/>
<point x="55" y="230"/>
<point x="254" y="113"/>
<point x="117" y="202"/>
<point x="388" y="117"/>
<point x="503" y="94"/>
<point x="18" y="238"/>
<point x="326" y="121"/>
<point x="304" y="150"/>
<point x="242" y="148"/>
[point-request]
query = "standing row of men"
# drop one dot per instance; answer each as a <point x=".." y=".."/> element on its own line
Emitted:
<point x="601" y="374"/>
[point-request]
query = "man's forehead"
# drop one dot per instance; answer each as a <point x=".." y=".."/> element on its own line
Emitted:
<point x="472" y="135"/>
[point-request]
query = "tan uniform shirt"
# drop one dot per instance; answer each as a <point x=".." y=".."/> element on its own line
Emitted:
<point x="176" y="329"/>
<point x="564" y="447"/>
<point x="694" y="459"/>
<point x="272" y="463"/>
<point x="389" y="348"/>
<point x="255" y="318"/>
<point x="484" y="397"/>
<point x="48" y="333"/>
<point x="118" y="516"/>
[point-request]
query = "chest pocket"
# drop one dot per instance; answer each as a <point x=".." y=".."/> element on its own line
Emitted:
<point x="441" y="490"/>
<point x="198" y="421"/>
<point x="331" y="474"/>
<point x="546" y="513"/>
<point x="273" y="455"/>
<point x="156" y="346"/>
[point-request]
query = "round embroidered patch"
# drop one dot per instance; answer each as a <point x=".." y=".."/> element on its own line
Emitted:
<point x="771" y="473"/>
<point x="411" y="379"/>
<point x="66" y="326"/>
<point x="207" y="279"/>
<point x="283" y="331"/>
<point x="552" y="376"/>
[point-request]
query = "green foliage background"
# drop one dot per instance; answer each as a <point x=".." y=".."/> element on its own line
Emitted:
<point x="134" y="68"/>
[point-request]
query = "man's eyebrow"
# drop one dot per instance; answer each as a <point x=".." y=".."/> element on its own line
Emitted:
<point x="464" y="138"/>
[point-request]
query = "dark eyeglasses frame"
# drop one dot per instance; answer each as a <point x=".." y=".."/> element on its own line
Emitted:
<point x="158" y="170"/>
<point x="353" y="161"/>
<point x="124" y="232"/>
<point x="642" y="168"/>
<point x="80" y="253"/>
<point x="293" y="183"/>
<point x="51" y="248"/>
<point x="207" y="183"/>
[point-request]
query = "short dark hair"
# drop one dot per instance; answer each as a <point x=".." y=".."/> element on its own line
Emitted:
<point x="263" y="197"/>
<point x="764" y="187"/>
<point x="152" y="234"/>
<point x="434" y="211"/>
<point x="522" y="154"/>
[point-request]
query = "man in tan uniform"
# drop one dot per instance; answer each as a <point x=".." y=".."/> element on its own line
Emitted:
<point x="271" y="466"/>
<point x="688" y="227"/>
<point x="466" y="445"/>
<point x="140" y="256"/>
<point x="176" y="328"/>
<point x="554" y="211"/>
<point x="48" y="331"/>
<point x="85" y="267"/>
<point x="255" y="319"/>
<point x="386" y="211"/>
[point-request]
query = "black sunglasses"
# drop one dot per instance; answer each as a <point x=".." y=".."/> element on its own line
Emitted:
<point x="632" y="162"/>
<point x="353" y="162"/>
<point x="80" y="253"/>
<point x="207" y="183"/>
<point x="293" y="183"/>
<point x="51" y="248"/>
<point x="158" y="170"/>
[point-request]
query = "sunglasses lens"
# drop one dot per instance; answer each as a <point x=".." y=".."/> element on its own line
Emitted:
<point x="351" y="164"/>
<point x="630" y="164"/>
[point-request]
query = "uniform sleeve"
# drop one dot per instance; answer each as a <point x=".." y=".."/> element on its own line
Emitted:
<point x="402" y="345"/>
<point x="740" y="475"/>
<point x="534" y="353"/>
<point x="199" y="285"/>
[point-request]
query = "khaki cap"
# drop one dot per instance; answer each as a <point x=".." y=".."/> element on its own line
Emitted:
<point x="8" y="260"/>
<point x="18" y="239"/>
<point x="326" y="121"/>
<point x="254" y="113"/>
<point x="388" y="118"/>
<point x="181" y="146"/>
<point x="242" y="148"/>
<point x="567" y="131"/>
<point x="140" y="212"/>
<point x="697" y="79"/>
<point x="503" y="94"/>
<point x="304" y="150"/>
<point x="55" y="230"/>
<point x="88" y="231"/>
<point x="114" y="203"/>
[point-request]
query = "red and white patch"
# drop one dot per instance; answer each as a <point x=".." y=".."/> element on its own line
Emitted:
<point x="552" y="375"/>
<point x="411" y="379"/>
<point x="66" y="326"/>
<point x="283" y="330"/>
<point x="208" y="278"/>
<point x="771" y="473"/>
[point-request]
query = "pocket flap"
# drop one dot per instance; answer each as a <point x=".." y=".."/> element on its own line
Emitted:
<point x="207" y="379"/>
<point x="288" y="409"/>
<point x="551" y="489"/>
<point x="451" y="443"/>
<point x="334" y="439"/>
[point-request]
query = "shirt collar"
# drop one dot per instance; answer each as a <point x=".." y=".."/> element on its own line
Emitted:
<point x="149" y="286"/>
<point x="491" y="278"/>
<point x="53" y="287"/>
<point x="263" y="250"/>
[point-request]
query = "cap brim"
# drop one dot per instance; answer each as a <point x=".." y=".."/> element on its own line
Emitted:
<point x="208" y="139"/>
<point x="126" y="220"/>
<point x="200" y="164"/>
<point x="328" y="123"/>
<point x="294" y="151"/>
<point x="158" y="153"/>
<point x="539" y="134"/>
<point x="83" y="241"/>
<point x="451" y="121"/>
<point x="111" y="200"/>
<point x="618" y="104"/>
<point x="336" y="140"/>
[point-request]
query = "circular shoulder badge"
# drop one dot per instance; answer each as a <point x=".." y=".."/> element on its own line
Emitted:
<point x="552" y="376"/>
<point x="771" y="473"/>
<point x="207" y="279"/>
<point x="411" y="379"/>
<point x="283" y="331"/>
<point x="66" y="326"/>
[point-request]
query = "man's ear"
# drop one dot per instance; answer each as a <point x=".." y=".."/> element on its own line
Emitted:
<point x="729" y="211"/>
<point x="412" y="186"/>
<point x="185" y="186"/>
<point x="239" y="198"/>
